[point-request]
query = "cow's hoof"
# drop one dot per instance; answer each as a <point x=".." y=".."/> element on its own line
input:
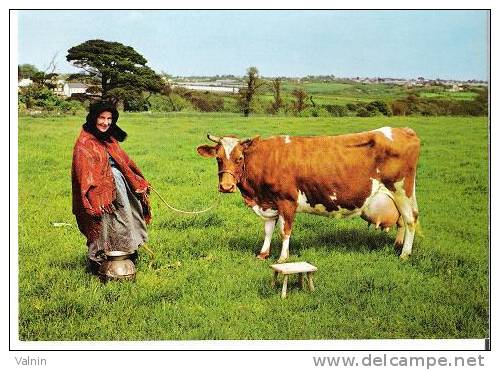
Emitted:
<point x="262" y="256"/>
<point x="282" y="259"/>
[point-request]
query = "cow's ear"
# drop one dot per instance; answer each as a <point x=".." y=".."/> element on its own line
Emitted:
<point x="206" y="151"/>
<point x="247" y="142"/>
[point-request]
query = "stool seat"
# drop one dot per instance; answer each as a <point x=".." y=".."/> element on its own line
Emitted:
<point x="293" y="268"/>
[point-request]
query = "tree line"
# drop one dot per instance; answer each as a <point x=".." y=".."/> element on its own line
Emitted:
<point x="120" y="74"/>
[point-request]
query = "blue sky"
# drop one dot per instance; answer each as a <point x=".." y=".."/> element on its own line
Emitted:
<point x="431" y="44"/>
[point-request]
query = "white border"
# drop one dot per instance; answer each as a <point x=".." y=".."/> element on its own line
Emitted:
<point x="227" y="360"/>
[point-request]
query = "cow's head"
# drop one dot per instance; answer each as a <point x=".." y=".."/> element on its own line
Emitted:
<point x="230" y="155"/>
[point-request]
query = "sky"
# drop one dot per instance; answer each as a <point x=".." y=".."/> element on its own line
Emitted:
<point x="401" y="44"/>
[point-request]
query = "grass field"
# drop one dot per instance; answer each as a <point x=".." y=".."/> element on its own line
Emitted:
<point x="204" y="281"/>
<point x="328" y="93"/>
<point x="458" y="95"/>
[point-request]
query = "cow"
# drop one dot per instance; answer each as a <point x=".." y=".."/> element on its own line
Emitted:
<point x="369" y="174"/>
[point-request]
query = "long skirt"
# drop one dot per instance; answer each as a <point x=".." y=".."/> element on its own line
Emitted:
<point x="123" y="230"/>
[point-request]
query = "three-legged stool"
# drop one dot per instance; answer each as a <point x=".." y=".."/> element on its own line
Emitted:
<point x="293" y="268"/>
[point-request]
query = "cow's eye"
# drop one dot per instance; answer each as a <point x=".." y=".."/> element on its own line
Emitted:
<point x="240" y="158"/>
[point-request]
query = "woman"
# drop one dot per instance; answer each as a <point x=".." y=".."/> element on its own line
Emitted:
<point x="110" y="194"/>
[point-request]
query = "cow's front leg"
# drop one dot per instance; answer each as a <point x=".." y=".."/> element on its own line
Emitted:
<point x="286" y="211"/>
<point x="269" y="225"/>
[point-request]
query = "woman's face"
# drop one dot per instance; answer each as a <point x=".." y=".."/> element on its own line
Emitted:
<point x="104" y="120"/>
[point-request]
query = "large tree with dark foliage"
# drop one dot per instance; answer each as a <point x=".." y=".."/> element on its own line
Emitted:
<point x="121" y="70"/>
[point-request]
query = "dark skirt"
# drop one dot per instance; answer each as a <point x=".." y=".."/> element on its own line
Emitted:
<point x="123" y="230"/>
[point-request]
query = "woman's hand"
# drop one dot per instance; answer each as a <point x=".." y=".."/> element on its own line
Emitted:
<point x="143" y="193"/>
<point x="143" y="189"/>
<point x="98" y="212"/>
<point x="94" y="212"/>
<point x="110" y="208"/>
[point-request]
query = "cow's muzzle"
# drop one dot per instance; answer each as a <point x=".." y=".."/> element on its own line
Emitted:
<point x="227" y="188"/>
<point x="227" y="183"/>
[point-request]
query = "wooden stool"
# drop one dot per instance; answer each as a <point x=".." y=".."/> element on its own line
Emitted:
<point x="293" y="268"/>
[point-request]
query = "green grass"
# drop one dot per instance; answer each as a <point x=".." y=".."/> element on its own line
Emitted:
<point x="204" y="281"/>
<point x="343" y="93"/>
<point x="458" y="95"/>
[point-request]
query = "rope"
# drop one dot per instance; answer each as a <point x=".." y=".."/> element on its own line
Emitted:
<point x="185" y="212"/>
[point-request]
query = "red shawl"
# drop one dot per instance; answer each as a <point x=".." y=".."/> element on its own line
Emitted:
<point x="94" y="185"/>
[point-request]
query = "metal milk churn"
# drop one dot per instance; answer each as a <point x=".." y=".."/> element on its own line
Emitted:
<point x="117" y="266"/>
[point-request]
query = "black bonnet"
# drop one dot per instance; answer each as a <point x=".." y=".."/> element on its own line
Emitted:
<point x="114" y="131"/>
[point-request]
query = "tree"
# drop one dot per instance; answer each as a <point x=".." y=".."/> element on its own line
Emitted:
<point x="378" y="106"/>
<point x="300" y="100"/>
<point x="26" y="71"/>
<point x="399" y="108"/>
<point x="45" y="79"/>
<point x="168" y="91"/>
<point x="122" y="71"/>
<point x="39" y="96"/>
<point x="278" y="101"/>
<point x="247" y="93"/>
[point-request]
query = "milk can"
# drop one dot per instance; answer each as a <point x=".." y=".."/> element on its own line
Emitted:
<point x="117" y="266"/>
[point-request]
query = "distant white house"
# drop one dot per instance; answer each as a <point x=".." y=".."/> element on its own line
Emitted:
<point x="24" y="82"/>
<point x="455" y="88"/>
<point x="70" y="88"/>
<point x="59" y="87"/>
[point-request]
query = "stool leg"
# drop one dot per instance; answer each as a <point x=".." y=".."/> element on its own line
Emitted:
<point x="310" y="281"/>
<point x="283" y="290"/>
<point x="301" y="280"/>
<point x="275" y="277"/>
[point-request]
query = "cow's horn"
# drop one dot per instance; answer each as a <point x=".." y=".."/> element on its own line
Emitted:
<point x="213" y="138"/>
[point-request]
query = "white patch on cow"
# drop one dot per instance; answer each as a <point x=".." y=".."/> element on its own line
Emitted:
<point x="269" y="225"/>
<point x="387" y="131"/>
<point x="229" y="143"/>
<point x="287" y="139"/>
<point x="303" y="206"/>
<point x="284" y="248"/>
<point x="281" y="224"/>
<point x="404" y="205"/>
<point x="378" y="187"/>
<point x="265" y="214"/>
<point x="400" y="190"/>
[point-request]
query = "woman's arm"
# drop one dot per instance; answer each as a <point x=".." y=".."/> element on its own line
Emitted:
<point x="83" y="178"/>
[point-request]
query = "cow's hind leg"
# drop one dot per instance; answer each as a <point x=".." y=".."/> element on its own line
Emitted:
<point x="269" y="225"/>
<point x="400" y="235"/>
<point x="408" y="209"/>
<point x="286" y="211"/>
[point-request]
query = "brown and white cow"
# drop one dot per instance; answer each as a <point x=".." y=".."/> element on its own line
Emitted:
<point x="368" y="174"/>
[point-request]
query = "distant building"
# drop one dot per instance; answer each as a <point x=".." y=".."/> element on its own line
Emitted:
<point x="221" y="86"/>
<point x="455" y="88"/>
<point x="24" y="82"/>
<point x="59" y="87"/>
<point x="70" y="88"/>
